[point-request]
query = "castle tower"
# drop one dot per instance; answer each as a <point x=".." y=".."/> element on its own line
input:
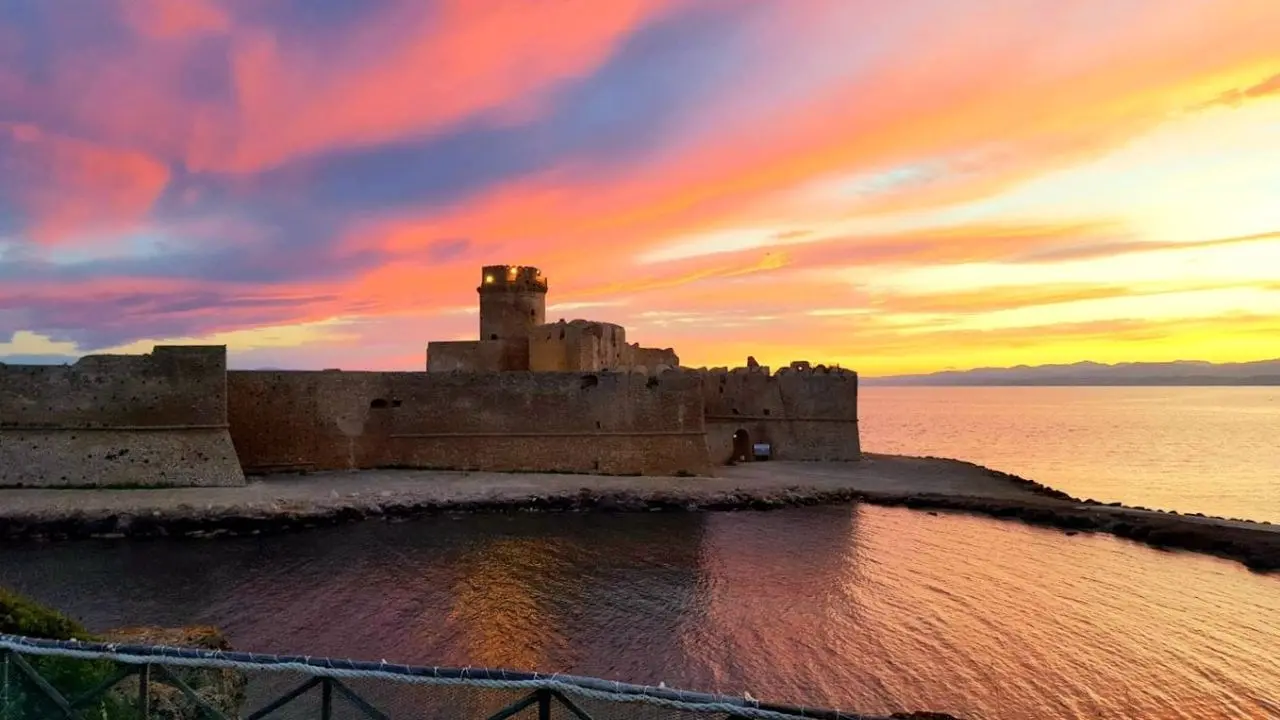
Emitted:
<point x="513" y="300"/>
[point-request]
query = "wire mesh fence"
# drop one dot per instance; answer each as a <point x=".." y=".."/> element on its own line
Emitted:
<point x="71" y="679"/>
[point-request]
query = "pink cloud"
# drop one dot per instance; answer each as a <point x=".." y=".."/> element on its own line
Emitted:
<point x="174" y="19"/>
<point x="405" y="70"/>
<point x="410" y="71"/>
<point x="67" y="186"/>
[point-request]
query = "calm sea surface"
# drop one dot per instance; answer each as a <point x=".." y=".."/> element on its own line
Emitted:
<point x="1210" y="450"/>
<point x="866" y="608"/>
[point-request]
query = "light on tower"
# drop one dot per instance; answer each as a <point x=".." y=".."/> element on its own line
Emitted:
<point x="488" y="279"/>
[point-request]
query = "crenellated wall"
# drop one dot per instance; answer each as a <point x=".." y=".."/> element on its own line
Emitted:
<point x="176" y="417"/>
<point x="612" y="423"/>
<point x="804" y="414"/>
<point x="118" y="420"/>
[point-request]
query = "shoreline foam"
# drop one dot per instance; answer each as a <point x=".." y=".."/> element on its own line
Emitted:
<point x="275" y="504"/>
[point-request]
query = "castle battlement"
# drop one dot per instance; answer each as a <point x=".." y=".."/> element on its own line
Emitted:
<point x="517" y="278"/>
<point x="795" y="369"/>
<point x="527" y="395"/>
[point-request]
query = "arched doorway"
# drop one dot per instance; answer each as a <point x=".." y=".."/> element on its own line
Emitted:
<point x="741" y="446"/>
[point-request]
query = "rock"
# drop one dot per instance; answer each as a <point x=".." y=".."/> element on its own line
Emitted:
<point x="222" y="689"/>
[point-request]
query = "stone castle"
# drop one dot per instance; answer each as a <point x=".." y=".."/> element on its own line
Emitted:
<point x="528" y="395"/>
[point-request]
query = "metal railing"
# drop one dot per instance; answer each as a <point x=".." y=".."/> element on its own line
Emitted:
<point x="103" y="681"/>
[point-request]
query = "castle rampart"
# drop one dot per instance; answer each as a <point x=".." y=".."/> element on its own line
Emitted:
<point x="525" y="396"/>
<point x="611" y="423"/>
<point x="118" y="420"/>
<point x="801" y="414"/>
<point x="579" y="345"/>
<point x="478" y="355"/>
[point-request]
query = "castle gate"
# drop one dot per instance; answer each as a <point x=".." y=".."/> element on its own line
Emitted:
<point x="742" y="451"/>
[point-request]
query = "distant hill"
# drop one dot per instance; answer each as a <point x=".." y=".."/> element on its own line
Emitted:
<point x="1182" y="372"/>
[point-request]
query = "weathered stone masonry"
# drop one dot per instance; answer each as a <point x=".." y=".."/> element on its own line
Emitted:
<point x="802" y="413"/>
<point x="527" y="396"/>
<point x="611" y="423"/>
<point x="118" y="420"/>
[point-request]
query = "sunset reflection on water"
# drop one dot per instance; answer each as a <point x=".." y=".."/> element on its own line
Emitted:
<point x="860" y="608"/>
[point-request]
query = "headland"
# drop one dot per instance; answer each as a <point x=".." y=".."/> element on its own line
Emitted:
<point x="293" y="502"/>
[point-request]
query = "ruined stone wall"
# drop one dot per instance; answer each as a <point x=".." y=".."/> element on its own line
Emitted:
<point x="579" y="345"/>
<point x="478" y="356"/>
<point x="805" y="414"/>
<point x="651" y="358"/>
<point x="612" y="423"/>
<point x="453" y="356"/>
<point x="118" y="420"/>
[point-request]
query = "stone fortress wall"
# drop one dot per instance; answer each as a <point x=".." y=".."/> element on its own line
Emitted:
<point x="478" y="356"/>
<point x="526" y="396"/>
<point x="610" y="423"/>
<point x="801" y="412"/>
<point x="580" y="345"/>
<point x="118" y="420"/>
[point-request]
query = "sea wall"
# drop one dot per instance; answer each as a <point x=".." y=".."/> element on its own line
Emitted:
<point x="802" y="413"/>
<point x="608" y="423"/>
<point x="118" y="420"/>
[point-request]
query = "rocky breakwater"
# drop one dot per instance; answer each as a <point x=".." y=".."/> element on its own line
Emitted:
<point x="295" y="502"/>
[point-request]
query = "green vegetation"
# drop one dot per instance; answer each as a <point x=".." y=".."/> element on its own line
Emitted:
<point x="20" y="698"/>
<point x="20" y="616"/>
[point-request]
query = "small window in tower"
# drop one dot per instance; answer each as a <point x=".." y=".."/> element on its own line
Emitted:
<point x="533" y="314"/>
<point x="488" y="279"/>
<point x="511" y="274"/>
<point x="493" y="336"/>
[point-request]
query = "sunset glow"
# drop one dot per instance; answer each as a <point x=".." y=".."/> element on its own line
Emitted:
<point x="896" y="187"/>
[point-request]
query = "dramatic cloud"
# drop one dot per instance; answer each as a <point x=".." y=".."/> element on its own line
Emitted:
<point x="63" y="186"/>
<point x="892" y="186"/>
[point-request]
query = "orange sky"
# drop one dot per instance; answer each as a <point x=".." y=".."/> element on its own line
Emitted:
<point x="895" y="187"/>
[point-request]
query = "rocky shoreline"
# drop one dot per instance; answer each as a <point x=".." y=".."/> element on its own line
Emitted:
<point x="298" y="503"/>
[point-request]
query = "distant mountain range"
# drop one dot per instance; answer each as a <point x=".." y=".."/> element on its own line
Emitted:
<point x="1182" y="372"/>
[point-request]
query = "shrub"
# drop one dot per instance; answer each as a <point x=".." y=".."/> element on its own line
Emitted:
<point x="19" y="696"/>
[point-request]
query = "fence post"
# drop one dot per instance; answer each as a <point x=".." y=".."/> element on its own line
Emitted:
<point x="544" y="704"/>
<point x="144" y="691"/>
<point x="326" y="699"/>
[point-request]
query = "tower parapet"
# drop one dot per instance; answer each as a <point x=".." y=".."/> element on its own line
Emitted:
<point x="513" y="301"/>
